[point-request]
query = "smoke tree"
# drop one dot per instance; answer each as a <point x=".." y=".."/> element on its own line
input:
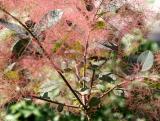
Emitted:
<point x="74" y="53"/>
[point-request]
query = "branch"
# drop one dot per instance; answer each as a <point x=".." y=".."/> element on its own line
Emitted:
<point x="91" y="84"/>
<point x="47" y="56"/>
<point x="85" y="53"/>
<point x="98" y="10"/>
<point x="87" y="44"/>
<point x="55" y="102"/>
<point x="110" y="90"/>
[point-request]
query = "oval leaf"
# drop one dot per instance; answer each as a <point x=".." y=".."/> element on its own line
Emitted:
<point x="107" y="78"/>
<point x="20" y="46"/>
<point x="94" y="101"/>
<point x="51" y="87"/>
<point x="60" y="107"/>
<point x="14" y="27"/>
<point x="49" y="19"/>
<point x="146" y="59"/>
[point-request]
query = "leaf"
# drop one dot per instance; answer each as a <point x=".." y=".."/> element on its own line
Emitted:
<point x="100" y="25"/>
<point x="94" y="101"/>
<point x="14" y="27"/>
<point x="152" y="84"/>
<point x="77" y="46"/>
<point x="110" y="45"/>
<point x="119" y="92"/>
<point x="85" y="91"/>
<point x="101" y="87"/>
<point x="60" y="107"/>
<point x="93" y="67"/>
<point x="51" y="88"/>
<point x="12" y="75"/>
<point x="106" y="77"/>
<point x="68" y="70"/>
<point x="57" y="46"/>
<point x="45" y="95"/>
<point x="149" y="45"/>
<point x="97" y="62"/>
<point x="101" y="14"/>
<point x="26" y="113"/>
<point x="54" y="93"/>
<point x="86" y="79"/>
<point x="49" y="19"/>
<point x="20" y="46"/>
<point x="146" y="59"/>
<point x="10" y="67"/>
<point x="130" y="43"/>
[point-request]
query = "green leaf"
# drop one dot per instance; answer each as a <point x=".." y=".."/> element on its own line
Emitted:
<point x="106" y="77"/>
<point x="118" y="92"/>
<point x="94" y="101"/>
<point x="57" y="46"/>
<point x="100" y="25"/>
<point x="149" y="45"/>
<point x="54" y="93"/>
<point x="130" y="43"/>
<point x="101" y="87"/>
<point x="60" y="107"/>
<point x="26" y="113"/>
<point x="85" y="91"/>
<point x="19" y="47"/>
<point x="50" y="89"/>
<point x="101" y="13"/>
<point x="12" y="75"/>
<point x="45" y="95"/>
<point x="146" y="59"/>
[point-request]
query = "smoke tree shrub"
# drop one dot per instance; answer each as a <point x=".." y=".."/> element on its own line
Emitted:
<point x="74" y="53"/>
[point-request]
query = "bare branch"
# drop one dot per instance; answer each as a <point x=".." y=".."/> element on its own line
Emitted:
<point x="55" y="102"/>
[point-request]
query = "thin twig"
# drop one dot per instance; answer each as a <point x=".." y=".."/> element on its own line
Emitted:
<point x="47" y="56"/>
<point x="55" y="102"/>
<point x="110" y="90"/>
<point x="85" y="53"/>
<point x="85" y="64"/>
<point x="91" y="84"/>
<point x="92" y="79"/>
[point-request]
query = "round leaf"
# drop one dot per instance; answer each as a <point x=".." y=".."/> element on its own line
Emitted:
<point x="146" y="59"/>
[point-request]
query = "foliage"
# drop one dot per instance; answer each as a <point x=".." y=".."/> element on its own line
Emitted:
<point x="25" y="111"/>
<point x="74" y="54"/>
